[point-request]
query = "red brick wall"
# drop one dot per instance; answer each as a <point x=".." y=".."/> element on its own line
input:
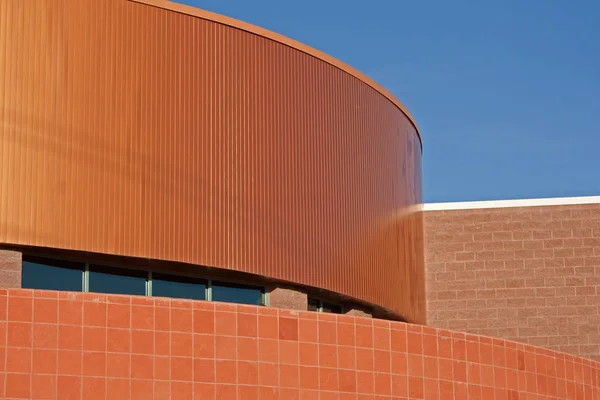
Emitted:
<point x="89" y="346"/>
<point x="10" y="269"/>
<point x="528" y="274"/>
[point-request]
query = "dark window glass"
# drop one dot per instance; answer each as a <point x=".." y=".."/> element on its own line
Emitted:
<point x="39" y="273"/>
<point x="117" y="281"/>
<point x="178" y="287"/>
<point x="313" y="305"/>
<point x="230" y="293"/>
<point x="332" y="308"/>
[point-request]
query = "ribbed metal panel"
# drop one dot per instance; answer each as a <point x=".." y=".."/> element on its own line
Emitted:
<point x="136" y="130"/>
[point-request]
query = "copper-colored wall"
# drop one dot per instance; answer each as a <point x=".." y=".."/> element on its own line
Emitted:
<point x="136" y="130"/>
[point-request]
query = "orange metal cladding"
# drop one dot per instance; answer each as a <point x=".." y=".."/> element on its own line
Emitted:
<point x="141" y="130"/>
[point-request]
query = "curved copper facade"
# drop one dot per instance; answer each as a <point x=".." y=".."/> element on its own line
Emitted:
<point x="141" y="130"/>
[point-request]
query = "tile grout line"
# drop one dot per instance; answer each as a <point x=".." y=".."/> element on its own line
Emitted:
<point x="6" y="344"/>
<point x="130" y="345"/>
<point x="193" y="353"/>
<point x="437" y="381"/>
<point x="373" y="355"/>
<point x="236" y="353"/>
<point x="319" y="356"/>
<point x="81" y="346"/>
<point x="170" y="346"/>
<point x="31" y="360"/>
<point x="56" y="345"/>
<point x="106" y="347"/>
<point x="355" y="360"/>
<point x="337" y="354"/>
<point x="298" y="364"/>
<point x="406" y="361"/>
<point x="214" y="351"/>
<point x="391" y="357"/>
<point x="153" y="345"/>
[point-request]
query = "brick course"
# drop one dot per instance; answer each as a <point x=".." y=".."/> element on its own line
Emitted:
<point x="10" y="269"/>
<point x="288" y="298"/>
<point x="530" y="274"/>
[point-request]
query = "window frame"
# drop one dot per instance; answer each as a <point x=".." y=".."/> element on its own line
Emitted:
<point x="313" y="300"/>
<point x="263" y="292"/>
<point x="320" y="308"/>
<point x="53" y="262"/>
<point x="173" y="277"/>
<point x="115" y="271"/>
<point x="148" y="273"/>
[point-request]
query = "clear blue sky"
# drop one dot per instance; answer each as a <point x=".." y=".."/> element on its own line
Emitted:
<point x="506" y="93"/>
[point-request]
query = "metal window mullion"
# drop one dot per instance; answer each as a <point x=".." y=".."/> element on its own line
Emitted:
<point x="86" y="278"/>
<point x="85" y="283"/>
<point x="320" y="306"/>
<point x="149" y="284"/>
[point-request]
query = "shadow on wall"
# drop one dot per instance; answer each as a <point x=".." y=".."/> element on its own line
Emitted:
<point x="402" y="231"/>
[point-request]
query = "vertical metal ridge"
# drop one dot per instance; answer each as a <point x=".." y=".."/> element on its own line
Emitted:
<point x="10" y="124"/>
<point x="135" y="130"/>
<point x="24" y="131"/>
<point x="4" y="60"/>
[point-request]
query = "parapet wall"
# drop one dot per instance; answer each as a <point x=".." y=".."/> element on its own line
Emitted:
<point x="59" y="345"/>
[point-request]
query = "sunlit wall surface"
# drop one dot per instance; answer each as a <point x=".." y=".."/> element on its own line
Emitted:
<point x="89" y="346"/>
<point x="154" y="130"/>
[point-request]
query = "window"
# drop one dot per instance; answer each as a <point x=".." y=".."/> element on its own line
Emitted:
<point x="39" y="273"/>
<point x="117" y="281"/>
<point x="178" y="287"/>
<point x="231" y="293"/>
<point x="323" y="306"/>
<point x="314" y="304"/>
<point x="331" y="308"/>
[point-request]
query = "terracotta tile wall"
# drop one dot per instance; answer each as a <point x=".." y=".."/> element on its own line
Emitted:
<point x="88" y="346"/>
<point x="526" y="274"/>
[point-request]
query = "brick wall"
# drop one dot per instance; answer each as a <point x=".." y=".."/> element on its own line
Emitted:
<point x="529" y="274"/>
<point x="10" y="269"/>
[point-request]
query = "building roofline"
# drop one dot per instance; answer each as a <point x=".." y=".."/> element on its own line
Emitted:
<point x="470" y="205"/>
<point x="256" y="30"/>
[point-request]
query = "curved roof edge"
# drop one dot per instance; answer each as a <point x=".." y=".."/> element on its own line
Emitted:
<point x="224" y="20"/>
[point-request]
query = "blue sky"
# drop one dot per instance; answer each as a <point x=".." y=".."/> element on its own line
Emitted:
<point x="506" y="93"/>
